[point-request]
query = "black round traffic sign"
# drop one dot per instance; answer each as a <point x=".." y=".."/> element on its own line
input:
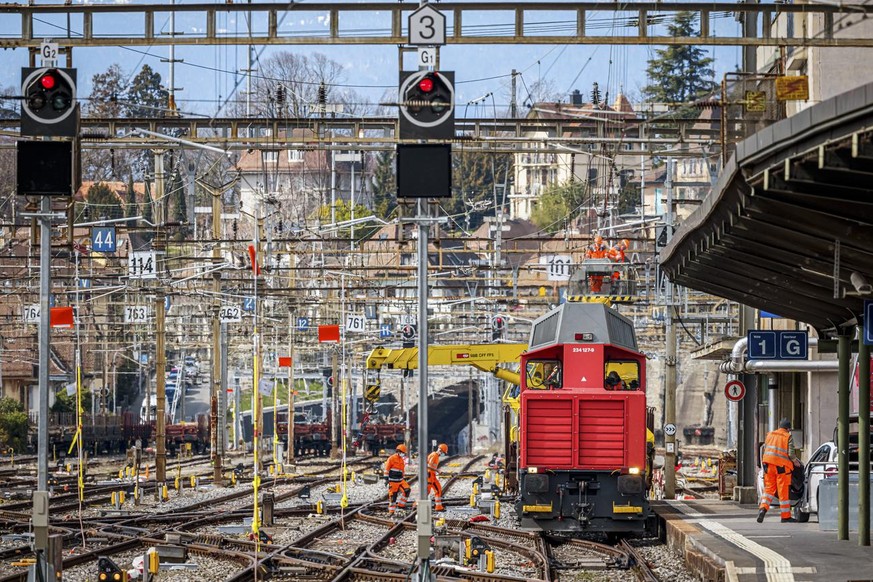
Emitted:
<point x="407" y="331"/>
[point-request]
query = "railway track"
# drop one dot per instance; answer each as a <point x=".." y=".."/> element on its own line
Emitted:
<point x="358" y="542"/>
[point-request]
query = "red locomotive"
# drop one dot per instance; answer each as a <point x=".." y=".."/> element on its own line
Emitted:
<point x="584" y="444"/>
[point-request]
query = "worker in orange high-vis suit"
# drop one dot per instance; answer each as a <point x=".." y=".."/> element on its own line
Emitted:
<point x="597" y="250"/>
<point x="395" y="466"/>
<point x="433" y="483"/>
<point x="778" y="460"/>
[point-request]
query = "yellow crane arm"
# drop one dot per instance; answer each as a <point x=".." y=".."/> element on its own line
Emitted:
<point x="485" y="357"/>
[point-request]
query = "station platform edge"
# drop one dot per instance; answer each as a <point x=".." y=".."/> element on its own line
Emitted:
<point x="721" y="541"/>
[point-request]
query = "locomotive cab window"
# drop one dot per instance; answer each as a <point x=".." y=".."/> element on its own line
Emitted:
<point x="543" y="374"/>
<point x="621" y="375"/>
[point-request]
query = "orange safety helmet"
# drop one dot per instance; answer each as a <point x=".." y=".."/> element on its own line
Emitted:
<point x="598" y="240"/>
<point x="625" y="243"/>
<point x="444" y="448"/>
<point x="401" y="448"/>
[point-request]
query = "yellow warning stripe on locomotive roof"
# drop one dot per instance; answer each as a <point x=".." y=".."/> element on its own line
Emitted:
<point x="536" y="508"/>
<point x="626" y="508"/>
<point x="602" y="298"/>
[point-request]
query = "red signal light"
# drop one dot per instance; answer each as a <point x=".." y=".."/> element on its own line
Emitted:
<point x="426" y="84"/>
<point x="48" y="81"/>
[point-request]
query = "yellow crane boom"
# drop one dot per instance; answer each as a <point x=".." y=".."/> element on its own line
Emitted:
<point x="485" y="357"/>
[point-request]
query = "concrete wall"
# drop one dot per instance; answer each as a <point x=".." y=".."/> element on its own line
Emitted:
<point x="821" y="410"/>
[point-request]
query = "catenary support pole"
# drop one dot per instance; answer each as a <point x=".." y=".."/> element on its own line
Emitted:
<point x="424" y="524"/>
<point x="863" y="443"/>
<point x="669" y="358"/>
<point x="223" y="437"/>
<point x="844" y="353"/>
<point x="218" y="355"/>
<point x="289" y="450"/>
<point x="41" y="495"/>
<point x="746" y="439"/>
<point x="161" y="392"/>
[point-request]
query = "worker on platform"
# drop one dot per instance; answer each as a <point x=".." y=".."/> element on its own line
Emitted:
<point x="395" y="466"/>
<point x="778" y="460"/>
<point x="597" y="250"/>
<point x="433" y="482"/>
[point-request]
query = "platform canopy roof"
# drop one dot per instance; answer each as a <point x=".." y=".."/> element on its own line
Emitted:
<point x="789" y="225"/>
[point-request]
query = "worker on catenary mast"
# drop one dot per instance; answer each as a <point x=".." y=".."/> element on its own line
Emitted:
<point x="778" y="460"/>
<point x="433" y="483"/>
<point x="597" y="250"/>
<point x="397" y="485"/>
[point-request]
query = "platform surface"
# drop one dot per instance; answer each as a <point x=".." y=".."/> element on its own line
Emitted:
<point x="723" y="541"/>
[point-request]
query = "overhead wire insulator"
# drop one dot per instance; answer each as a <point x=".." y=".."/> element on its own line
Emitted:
<point x="322" y="95"/>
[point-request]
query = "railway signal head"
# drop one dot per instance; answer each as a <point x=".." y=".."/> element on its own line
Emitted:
<point x="427" y="105"/>
<point x="108" y="571"/>
<point x="49" y="102"/>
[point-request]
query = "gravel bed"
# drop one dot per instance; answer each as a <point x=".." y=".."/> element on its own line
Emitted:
<point x="667" y="564"/>
<point x="404" y="548"/>
<point x="285" y="531"/>
<point x="346" y="541"/>
<point x="288" y="529"/>
<point x="209" y="568"/>
<point x="6" y="569"/>
<point x="357" y="493"/>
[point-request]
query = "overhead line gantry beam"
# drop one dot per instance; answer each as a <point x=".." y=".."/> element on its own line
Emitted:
<point x="475" y="23"/>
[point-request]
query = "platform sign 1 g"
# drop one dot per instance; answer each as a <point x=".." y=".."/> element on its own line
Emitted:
<point x="778" y="345"/>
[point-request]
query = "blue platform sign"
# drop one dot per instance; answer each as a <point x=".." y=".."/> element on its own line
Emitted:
<point x="103" y="239"/>
<point x="248" y="304"/>
<point x="793" y="345"/>
<point x="769" y="315"/>
<point x="385" y="330"/>
<point x="302" y="324"/>
<point x="778" y="345"/>
<point x="762" y="345"/>
<point x="868" y="322"/>
<point x="167" y="304"/>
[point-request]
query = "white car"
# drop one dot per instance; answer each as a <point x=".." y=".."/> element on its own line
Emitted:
<point x="822" y="464"/>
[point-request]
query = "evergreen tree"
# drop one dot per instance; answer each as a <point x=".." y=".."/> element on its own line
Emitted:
<point x="474" y="175"/>
<point x="384" y="185"/>
<point x="13" y="424"/>
<point x="177" y="195"/>
<point x="103" y="203"/>
<point x="680" y="73"/>
<point x="146" y="97"/>
<point x="131" y="208"/>
<point x="147" y="211"/>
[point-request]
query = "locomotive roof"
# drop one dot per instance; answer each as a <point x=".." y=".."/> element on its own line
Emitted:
<point x="561" y="325"/>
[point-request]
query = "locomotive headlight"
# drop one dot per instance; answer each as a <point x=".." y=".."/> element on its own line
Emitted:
<point x="634" y="470"/>
<point x="531" y="469"/>
<point x="630" y="485"/>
